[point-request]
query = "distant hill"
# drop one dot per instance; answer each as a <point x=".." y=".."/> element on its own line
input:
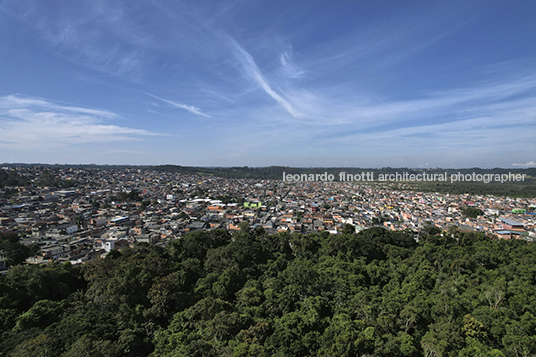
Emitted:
<point x="276" y="172"/>
<point x="526" y="188"/>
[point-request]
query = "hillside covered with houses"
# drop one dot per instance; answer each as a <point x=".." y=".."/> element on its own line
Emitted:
<point x="100" y="209"/>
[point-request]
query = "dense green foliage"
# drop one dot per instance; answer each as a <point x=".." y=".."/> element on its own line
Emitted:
<point x="472" y="212"/>
<point x="11" y="178"/>
<point x="376" y="293"/>
<point x="12" y="250"/>
<point x="48" y="179"/>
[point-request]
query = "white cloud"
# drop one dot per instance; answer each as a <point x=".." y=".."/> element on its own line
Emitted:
<point x="13" y="101"/>
<point x="510" y="101"/>
<point x="189" y="108"/>
<point x="255" y="74"/>
<point x="528" y="164"/>
<point x="289" y="69"/>
<point x="100" y="35"/>
<point x="38" y="124"/>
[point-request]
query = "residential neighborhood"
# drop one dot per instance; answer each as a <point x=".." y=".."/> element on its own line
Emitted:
<point x="113" y="208"/>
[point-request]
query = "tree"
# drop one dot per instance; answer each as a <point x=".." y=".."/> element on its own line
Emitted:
<point x="348" y="229"/>
<point x="471" y="212"/>
<point x="14" y="252"/>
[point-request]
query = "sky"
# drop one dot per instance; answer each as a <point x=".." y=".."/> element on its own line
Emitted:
<point x="367" y="84"/>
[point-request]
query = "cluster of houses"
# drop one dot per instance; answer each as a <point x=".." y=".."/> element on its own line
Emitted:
<point x="113" y="208"/>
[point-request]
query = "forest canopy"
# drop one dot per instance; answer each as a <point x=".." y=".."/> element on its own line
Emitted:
<point x="376" y="293"/>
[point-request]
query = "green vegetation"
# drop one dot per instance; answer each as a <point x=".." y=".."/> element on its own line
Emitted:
<point x="13" y="252"/>
<point x="128" y="196"/>
<point x="12" y="179"/>
<point x="48" y="179"/>
<point x="472" y="212"/>
<point x="145" y="204"/>
<point x="251" y="294"/>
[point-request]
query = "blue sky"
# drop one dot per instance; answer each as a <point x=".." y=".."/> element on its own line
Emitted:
<point x="298" y="83"/>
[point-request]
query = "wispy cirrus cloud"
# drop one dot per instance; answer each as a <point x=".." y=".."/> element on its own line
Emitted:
<point x="508" y="97"/>
<point x="289" y="68"/>
<point x="189" y="108"/>
<point x="254" y="73"/>
<point x="39" y="124"/>
<point x="16" y="101"/>
<point x="100" y="35"/>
